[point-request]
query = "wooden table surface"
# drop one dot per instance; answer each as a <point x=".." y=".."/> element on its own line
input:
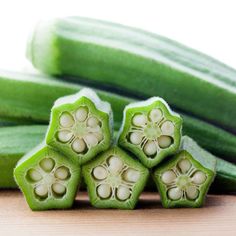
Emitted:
<point x="218" y="217"/>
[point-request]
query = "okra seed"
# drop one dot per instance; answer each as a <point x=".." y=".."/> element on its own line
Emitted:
<point x="47" y="164"/>
<point x="41" y="190"/>
<point x="91" y="140"/>
<point x="174" y="193"/>
<point x="168" y="177"/>
<point x="78" y="145"/>
<point x="167" y="128"/>
<point x="136" y="138"/>
<point x="104" y="191"/>
<point x="62" y="173"/>
<point x="123" y="193"/>
<point x="64" y="135"/>
<point x="131" y="175"/>
<point x="199" y="177"/>
<point x="155" y="115"/>
<point x="99" y="173"/>
<point x="150" y="148"/>
<point x="34" y="175"/>
<point x="192" y="192"/>
<point x="139" y="120"/>
<point x="99" y="136"/>
<point x="93" y="122"/>
<point x="66" y="120"/>
<point x="58" y="188"/>
<point x="164" y="141"/>
<point x="184" y="165"/>
<point x="81" y="114"/>
<point x="115" y="164"/>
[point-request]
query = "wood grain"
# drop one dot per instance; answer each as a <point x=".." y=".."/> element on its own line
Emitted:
<point x="218" y="217"/>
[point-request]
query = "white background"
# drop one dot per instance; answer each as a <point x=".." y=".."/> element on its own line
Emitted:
<point x="209" y="26"/>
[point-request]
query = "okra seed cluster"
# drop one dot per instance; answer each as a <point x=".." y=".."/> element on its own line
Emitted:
<point x="48" y="179"/>
<point x="80" y="129"/>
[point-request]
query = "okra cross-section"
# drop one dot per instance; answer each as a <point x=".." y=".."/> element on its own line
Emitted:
<point x="47" y="179"/>
<point x="183" y="181"/>
<point x="80" y="126"/>
<point x="114" y="180"/>
<point x="150" y="130"/>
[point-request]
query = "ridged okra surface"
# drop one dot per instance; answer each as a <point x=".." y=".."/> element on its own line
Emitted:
<point x="114" y="180"/>
<point x="184" y="179"/>
<point x="150" y="130"/>
<point x="47" y="179"/>
<point x="80" y="126"/>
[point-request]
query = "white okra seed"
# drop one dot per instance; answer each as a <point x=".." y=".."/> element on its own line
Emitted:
<point x="93" y="122"/>
<point x="155" y="115"/>
<point x="104" y="190"/>
<point x="174" y="193"/>
<point x="78" y="145"/>
<point x="62" y="173"/>
<point x="164" y="141"/>
<point x="91" y="140"/>
<point x="131" y="175"/>
<point x="99" y="173"/>
<point x="81" y="114"/>
<point x="123" y="193"/>
<point x="58" y="188"/>
<point x="150" y="148"/>
<point x="64" y="135"/>
<point x="167" y="128"/>
<point x="192" y="192"/>
<point x="139" y="120"/>
<point x="66" y="120"/>
<point x="115" y="164"/>
<point x="34" y="175"/>
<point x="199" y="177"/>
<point x="47" y="164"/>
<point x="168" y="177"/>
<point x="136" y="138"/>
<point x="184" y="165"/>
<point x="99" y="136"/>
<point x="41" y="190"/>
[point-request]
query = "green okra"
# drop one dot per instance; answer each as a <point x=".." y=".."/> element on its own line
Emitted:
<point x="184" y="180"/>
<point x="123" y="57"/>
<point x="114" y="179"/>
<point x="47" y="179"/>
<point x="81" y="126"/>
<point x="150" y="130"/>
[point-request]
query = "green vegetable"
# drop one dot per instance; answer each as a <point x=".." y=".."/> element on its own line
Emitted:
<point x="80" y="126"/>
<point x="47" y="179"/>
<point x="34" y="104"/>
<point x="150" y="130"/>
<point x="139" y="62"/>
<point x="114" y="180"/>
<point x="184" y="180"/>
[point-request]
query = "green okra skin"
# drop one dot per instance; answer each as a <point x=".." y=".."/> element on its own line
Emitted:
<point x="34" y="104"/>
<point x="15" y="142"/>
<point x="47" y="179"/>
<point x="81" y="126"/>
<point x="184" y="180"/>
<point x="124" y="57"/>
<point x="114" y="179"/>
<point x="150" y="130"/>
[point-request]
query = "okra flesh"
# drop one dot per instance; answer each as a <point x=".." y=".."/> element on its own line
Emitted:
<point x="47" y="179"/>
<point x="80" y="126"/>
<point x="114" y="180"/>
<point x="150" y="130"/>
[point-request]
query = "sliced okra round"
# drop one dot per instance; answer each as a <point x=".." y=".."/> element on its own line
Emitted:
<point x="80" y="126"/>
<point x="114" y="180"/>
<point x="150" y="130"/>
<point x="48" y="179"/>
<point x="183" y="181"/>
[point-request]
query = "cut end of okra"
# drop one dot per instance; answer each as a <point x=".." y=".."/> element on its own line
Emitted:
<point x="47" y="179"/>
<point x="184" y="180"/>
<point x="80" y="126"/>
<point x="114" y="180"/>
<point x="150" y="130"/>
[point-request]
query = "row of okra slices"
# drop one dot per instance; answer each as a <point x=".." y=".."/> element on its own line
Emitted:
<point x="80" y="144"/>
